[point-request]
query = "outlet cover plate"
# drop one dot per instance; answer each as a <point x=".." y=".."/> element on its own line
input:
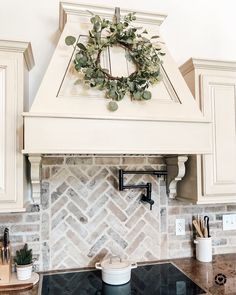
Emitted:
<point x="229" y="222"/>
<point x="180" y="227"/>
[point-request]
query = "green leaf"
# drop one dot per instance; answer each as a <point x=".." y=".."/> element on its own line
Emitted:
<point x="96" y="26"/>
<point x="70" y="40"/>
<point x="112" y="106"/>
<point x="113" y="94"/>
<point x="97" y="18"/>
<point x="92" y="20"/>
<point x="81" y="46"/>
<point x="147" y="95"/>
<point x="131" y="86"/>
<point x="78" y="67"/>
<point x="137" y="95"/>
<point x="120" y="26"/>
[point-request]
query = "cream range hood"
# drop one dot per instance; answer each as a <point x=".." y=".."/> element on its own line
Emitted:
<point x="67" y="118"/>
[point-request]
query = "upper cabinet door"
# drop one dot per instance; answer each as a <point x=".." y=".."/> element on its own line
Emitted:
<point x="8" y="148"/>
<point x="15" y="60"/>
<point x="211" y="178"/>
<point x="219" y="104"/>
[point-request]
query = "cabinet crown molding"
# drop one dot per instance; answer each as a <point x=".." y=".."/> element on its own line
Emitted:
<point x="19" y="47"/>
<point x="207" y="64"/>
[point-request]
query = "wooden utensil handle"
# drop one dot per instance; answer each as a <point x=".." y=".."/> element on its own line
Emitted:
<point x="205" y="232"/>
<point x="197" y="228"/>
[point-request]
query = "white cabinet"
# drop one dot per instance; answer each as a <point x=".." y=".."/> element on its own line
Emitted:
<point x="15" y="61"/>
<point x="212" y="178"/>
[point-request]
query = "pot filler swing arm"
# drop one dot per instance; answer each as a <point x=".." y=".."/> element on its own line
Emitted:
<point x="145" y="198"/>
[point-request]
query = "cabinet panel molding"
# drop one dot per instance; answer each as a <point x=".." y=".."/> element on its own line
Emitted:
<point x="212" y="178"/>
<point x="14" y="64"/>
<point x="2" y="130"/>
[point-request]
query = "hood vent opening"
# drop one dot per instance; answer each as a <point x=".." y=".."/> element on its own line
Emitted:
<point x="174" y="172"/>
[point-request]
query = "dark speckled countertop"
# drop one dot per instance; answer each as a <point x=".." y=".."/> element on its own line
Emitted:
<point x="201" y="273"/>
<point x="204" y="273"/>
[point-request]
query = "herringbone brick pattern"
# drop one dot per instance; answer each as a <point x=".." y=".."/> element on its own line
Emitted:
<point x="83" y="216"/>
<point x="90" y="218"/>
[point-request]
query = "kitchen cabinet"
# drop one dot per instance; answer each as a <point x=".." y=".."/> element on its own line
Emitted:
<point x="16" y="60"/>
<point x="211" y="178"/>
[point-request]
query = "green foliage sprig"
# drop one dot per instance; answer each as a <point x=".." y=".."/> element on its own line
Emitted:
<point x="144" y="53"/>
<point x="23" y="256"/>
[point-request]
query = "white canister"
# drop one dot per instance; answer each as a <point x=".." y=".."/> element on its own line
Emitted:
<point x="203" y="249"/>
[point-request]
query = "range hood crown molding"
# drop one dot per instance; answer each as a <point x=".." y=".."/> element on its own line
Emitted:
<point x="72" y="10"/>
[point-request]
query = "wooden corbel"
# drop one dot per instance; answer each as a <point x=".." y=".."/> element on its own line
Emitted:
<point x="175" y="172"/>
<point x="35" y="177"/>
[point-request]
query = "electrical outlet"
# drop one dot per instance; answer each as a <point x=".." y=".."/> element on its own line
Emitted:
<point x="180" y="227"/>
<point x="229" y="221"/>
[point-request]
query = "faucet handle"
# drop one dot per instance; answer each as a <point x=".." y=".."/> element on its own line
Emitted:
<point x="151" y="202"/>
<point x="146" y="199"/>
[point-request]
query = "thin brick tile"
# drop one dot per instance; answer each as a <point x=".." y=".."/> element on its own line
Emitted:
<point x="136" y="216"/>
<point x="133" y="160"/>
<point x="136" y="243"/>
<point x="52" y="161"/>
<point x="107" y="161"/>
<point x="116" y="211"/>
<point x="79" y="160"/>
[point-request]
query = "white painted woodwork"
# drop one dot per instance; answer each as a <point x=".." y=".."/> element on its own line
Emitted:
<point x="212" y="178"/>
<point x="2" y="128"/>
<point x="68" y="117"/>
<point x="35" y="175"/>
<point x="15" y="60"/>
<point x="176" y="171"/>
<point x="77" y="135"/>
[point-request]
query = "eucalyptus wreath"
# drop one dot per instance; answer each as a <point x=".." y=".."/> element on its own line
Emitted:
<point x="142" y="51"/>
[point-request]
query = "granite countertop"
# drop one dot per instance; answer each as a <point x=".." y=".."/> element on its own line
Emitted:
<point x="204" y="274"/>
<point x="201" y="273"/>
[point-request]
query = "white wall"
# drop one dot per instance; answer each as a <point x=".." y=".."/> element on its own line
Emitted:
<point x="198" y="28"/>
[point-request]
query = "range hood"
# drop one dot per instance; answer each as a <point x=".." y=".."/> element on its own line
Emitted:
<point x="68" y="118"/>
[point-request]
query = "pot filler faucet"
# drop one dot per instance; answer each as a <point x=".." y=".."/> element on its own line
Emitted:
<point x="145" y="198"/>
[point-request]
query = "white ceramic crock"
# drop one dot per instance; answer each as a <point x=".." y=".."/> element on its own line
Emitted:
<point x="203" y="249"/>
<point x="24" y="272"/>
<point x="115" y="271"/>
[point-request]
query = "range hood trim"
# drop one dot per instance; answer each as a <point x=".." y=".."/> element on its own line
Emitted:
<point x="117" y="137"/>
<point x="72" y="10"/>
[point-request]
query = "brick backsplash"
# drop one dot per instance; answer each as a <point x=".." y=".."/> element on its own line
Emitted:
<point x="83" y="217"/>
